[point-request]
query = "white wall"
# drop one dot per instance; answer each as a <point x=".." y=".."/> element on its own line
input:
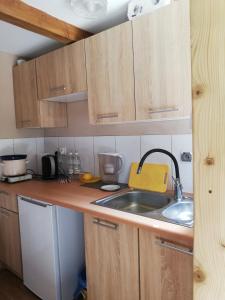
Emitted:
<point x="132" y="147"/>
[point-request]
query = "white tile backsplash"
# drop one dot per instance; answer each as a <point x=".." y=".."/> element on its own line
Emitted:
<point x="129" y="147"/>
<point x="103" y="144"/>
<point x="33" y="147"/>
<point x="51" y="144"/>
<point x="68" y="143"/>
<point x="27" y="146"/>
<point x="183" y="143"/>
<point x="40" y="151"/>
<point x="85" y="148"/>
<point x="132" y="147"/>
<point x="6" y="146"/>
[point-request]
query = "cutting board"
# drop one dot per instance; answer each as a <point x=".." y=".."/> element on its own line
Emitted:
<point x="153" y="177"/>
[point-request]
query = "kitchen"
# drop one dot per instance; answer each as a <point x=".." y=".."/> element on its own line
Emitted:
<point x="102" y="94"/>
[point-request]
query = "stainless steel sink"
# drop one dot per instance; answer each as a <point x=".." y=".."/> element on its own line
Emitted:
<point x="180" y="212"/>
<point x="137" y="202"/>
<point x="158" y="206"/>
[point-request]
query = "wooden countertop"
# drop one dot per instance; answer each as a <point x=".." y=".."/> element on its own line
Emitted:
<point x="79" y="198"/>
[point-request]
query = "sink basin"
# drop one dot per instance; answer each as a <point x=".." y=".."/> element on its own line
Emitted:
<point x="137" y="202"/>
<point x="181" y="212"/>
<point x="152" y="205"/>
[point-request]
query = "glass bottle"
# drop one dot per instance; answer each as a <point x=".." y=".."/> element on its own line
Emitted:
<point x="76" y="163"/>
<point x="70" y="163"/>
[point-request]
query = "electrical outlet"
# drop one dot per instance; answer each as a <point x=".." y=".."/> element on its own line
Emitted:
<point x="186" y="156"/>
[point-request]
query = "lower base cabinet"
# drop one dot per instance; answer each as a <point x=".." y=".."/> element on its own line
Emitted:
<point x="126" y="263"/>
<point x="111" y="260"/>
<point x="10" y="245"/>
<point x="166" y="269"/>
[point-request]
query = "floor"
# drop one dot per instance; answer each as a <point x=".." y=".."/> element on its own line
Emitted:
<point x="12" y="288"/>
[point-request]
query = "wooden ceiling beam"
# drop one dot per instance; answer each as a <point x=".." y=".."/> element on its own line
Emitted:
<point x="23" y="15"/>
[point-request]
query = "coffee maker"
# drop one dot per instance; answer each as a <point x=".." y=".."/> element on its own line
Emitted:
<point x="110" y="165"/>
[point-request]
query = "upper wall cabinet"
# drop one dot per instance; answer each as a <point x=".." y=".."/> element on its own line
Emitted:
<point x="27" y="105"/>
<point x="109" y="61"/>
<point x="162" y="62"/>
<point x="30" y="112"/>
<point x="62" y="72"/>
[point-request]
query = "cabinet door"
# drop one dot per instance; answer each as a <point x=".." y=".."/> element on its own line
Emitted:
<point x="53" y="114"/>
<point x="109" y="61"/>
<point x="111" y="260"/>
<point x="25" y="94"/>
<point x="8" y="201"/>
<point x="162" y="62"/>
<point x="165" y="270"/>
<point x="10" y="253"/>
<point x="62" y="72"/>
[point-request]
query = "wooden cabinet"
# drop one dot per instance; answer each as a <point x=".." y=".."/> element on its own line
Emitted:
<point x="62" y="72"/>
<point x="30" y="112"/>
<point x="162" y="62"/>
<point x="109" y="62"/>
<point x="8" y="201"/>
<point x="165" y="269"/>
<point x="10" y="250"/>
<point x="27" y="105"/>
<point x="141" y="70"/>
<point x="126" y="263"/>
<point x="111" y="260"/>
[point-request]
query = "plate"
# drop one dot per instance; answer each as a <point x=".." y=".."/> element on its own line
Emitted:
<point x="110" y="187"/>
<point x="93" y="180"/>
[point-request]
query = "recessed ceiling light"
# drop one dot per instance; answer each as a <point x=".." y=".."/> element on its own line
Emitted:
<point x="90" y="9"/>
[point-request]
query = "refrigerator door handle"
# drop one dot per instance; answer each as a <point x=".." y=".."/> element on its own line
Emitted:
<point x="31" y="201"/>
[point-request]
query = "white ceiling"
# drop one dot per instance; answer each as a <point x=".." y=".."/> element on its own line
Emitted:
<point x="116" y="14"/>
<point x="28" y="44"/>
<point x="20" y="42"/>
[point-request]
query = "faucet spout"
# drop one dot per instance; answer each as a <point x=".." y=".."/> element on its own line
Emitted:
<point x="178" y="193"/>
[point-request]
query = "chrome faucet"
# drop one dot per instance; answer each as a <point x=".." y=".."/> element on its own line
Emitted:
<point x="178" y="192"/>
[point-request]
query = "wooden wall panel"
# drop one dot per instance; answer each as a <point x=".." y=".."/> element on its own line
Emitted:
<point x="208" y="75"/>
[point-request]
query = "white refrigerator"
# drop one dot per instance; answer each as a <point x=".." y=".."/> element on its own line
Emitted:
<point x="52" y="244"/>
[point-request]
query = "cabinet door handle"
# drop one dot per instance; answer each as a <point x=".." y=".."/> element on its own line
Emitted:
<point x="162" y="109"/>
<point x="105" y="223"/>
<point x="169" y="245"/>
<point x="107" y="116"/>
<point x="31" y="201"/>
<point x="58" y="88"/>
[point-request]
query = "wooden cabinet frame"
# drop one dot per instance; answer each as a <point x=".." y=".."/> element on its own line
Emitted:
<point x="111" y="259"/>
<point x="61" y="72"/>
<point x="162" y="63"/>
<point x="110" y="78"/>
<point x="10" y="244"/>
<point x="208" y="89"/>
<point x="31" y="112"/>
